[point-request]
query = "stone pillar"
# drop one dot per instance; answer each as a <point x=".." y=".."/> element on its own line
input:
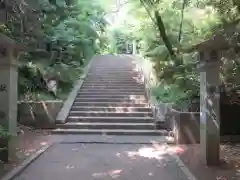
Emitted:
<point x="8" y="85"/>
<point x="134" y="47"/>
<point x="210" y="97"/>
<point x="126" y="47"/>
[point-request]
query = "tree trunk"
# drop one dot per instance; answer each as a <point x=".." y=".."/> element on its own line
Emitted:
<point x="163" y="34"/>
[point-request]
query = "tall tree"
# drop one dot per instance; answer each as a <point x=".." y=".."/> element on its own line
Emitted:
<point x="60" y="36"/>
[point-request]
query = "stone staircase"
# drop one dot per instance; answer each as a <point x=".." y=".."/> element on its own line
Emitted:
<point x="111" y="101"/>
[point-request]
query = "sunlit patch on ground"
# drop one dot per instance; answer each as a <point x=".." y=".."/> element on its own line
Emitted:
<point x="69" y="166"/>
<point x="154" y="151"/>
<point x="44" y="143"/>
<point x="147" y="153"/>
<point x="112" y="173"/>
<point x="157" y="153"/>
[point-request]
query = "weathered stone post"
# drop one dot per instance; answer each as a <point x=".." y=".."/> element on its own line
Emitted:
<point x="134" y="44"/>
<point x="8" y="84"/>
<point x="210" y="115"/>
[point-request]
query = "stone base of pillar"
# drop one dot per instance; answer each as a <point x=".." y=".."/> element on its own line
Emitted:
<point x="4" y="149"/>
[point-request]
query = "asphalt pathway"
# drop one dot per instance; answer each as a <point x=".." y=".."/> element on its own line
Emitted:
<point x="90" y="161"/>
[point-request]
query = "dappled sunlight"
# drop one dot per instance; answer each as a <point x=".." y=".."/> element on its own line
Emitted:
<point x="70" y="167"/>
<point x="117" y="112"/>
<point x="147" y="152"/>
<point x="112" y="173"/>
<point x="167" y="148"/>
<point x="154" y="151"/>
<point x="44" y="143"/>
<point x="119" y="109"/>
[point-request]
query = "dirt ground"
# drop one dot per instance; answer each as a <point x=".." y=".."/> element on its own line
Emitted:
<point x="229" y="169"/>
<point x="24" y="145"/>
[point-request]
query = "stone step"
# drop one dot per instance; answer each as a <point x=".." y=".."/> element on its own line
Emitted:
<point x="112" y="100"/>
<point x="112" y="77"/>
<point x="81" y="125"/>
<point x="111" y="119"/>
<point x="109" y="80"/>
<point x="119" y="89"/>
<point x="122" y="73"/>
<point x="140" y="97"/>
<point x="113" y="66"/>
<point x="110" y="114"/>
<point x="134" y="84"/>
<point x="113" y="87"/>
<point x="111" y="104"/>
<point x="112" y="132"/>
<point x="115" y="70"/>
<point x="111" y="109"/>
<point x="107" y="90"/>
<point x="117" y="75"/>
<point x="106" y="81"/>
<point x="112" y="69"/>
<point x="112" y="81"/>
<point x="110" y="93"/>
<point x="116" y="79"/>
<point x="117" y="85"/>
<point x="131" y="73"/>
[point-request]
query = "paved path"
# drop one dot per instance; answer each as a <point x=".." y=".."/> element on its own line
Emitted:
<point x="78" y="161"/>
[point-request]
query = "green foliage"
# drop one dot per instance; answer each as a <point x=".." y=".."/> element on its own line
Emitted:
<point x="3" y="132"/>
<point x="60" y="37"/>
<point x="170" y="94"/>
<point x="118" y="41"/>
<point x="162" y="28"/>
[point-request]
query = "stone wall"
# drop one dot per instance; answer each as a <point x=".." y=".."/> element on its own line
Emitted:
<point x="185" y="127"/>
<point x="161" y="113"/>
<point x="40" y="114"/>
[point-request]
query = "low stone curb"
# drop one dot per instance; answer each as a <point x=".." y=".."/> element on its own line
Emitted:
<point x="16" y="171"/>
<point x="63" y="114"/>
